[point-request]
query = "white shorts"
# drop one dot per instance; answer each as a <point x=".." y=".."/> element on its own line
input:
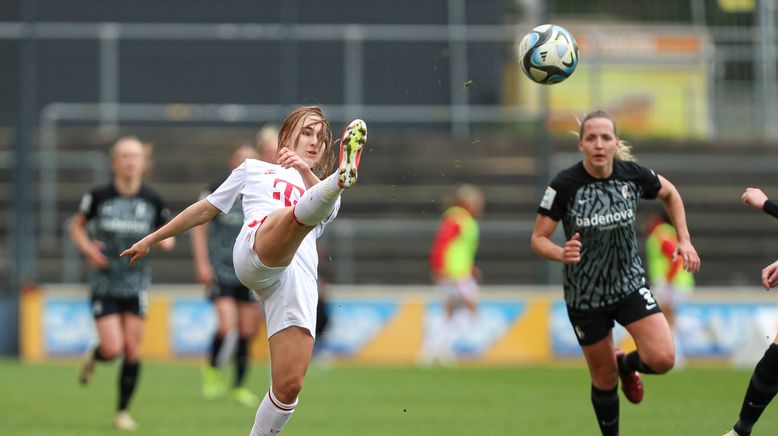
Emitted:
<point x="288" y="294"/>
<point x="459" y="291"/>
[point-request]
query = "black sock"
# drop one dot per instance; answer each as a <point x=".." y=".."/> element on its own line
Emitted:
<point x="216" y="346"/>
<point x="606" y="408"/>
<point x="241" y="360"/>
<point x="127" y="381"/>
<point x="761" y="390"/>
<point x="98" y="356"/>
<point x="631" y="362"/>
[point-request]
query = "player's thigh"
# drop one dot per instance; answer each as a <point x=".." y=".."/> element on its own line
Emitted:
<point x="654" y="340"/>
<point x="601" y="361"/>
<point x="248" y="318"/>
<point x="133" y="335"/>
<point x="226" y="313"/>
<point x="278" y="238"/>
<point x="109" y="332"/>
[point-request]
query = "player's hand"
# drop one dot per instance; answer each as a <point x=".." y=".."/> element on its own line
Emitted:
<point x="572" y="249"/>
<point x="754" y="197"/>
<point x="138" y="251"/>
<point x="289" y="159"/>
<point x="95" y="257"/>
<point x="691" y="261"/>
<point x="770" y="275"/>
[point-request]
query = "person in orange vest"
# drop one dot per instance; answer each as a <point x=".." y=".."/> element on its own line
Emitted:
<point x="669" y="282"/>
<point x="453" y="269"/>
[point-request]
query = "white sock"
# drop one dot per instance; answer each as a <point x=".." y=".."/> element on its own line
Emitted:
<point x="318" y="202"/>
<point x="272" y="415"/>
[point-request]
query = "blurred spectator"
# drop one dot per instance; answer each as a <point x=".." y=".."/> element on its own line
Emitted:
<point x="453" y="269"/>
<point x="267" y="143"/>
<point x="669" y="282"/>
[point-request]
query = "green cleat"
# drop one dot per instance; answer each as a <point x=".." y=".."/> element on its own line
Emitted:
<point x="213" y="386"/>
<point x="245" y="397"/>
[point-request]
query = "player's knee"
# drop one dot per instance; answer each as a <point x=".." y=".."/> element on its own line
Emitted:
<point x="605" y="380"/>
<point x="110" y="351"/>
<point x="132" y="353"/>
<point x="661" y="362"/>
<point x="288" y="389"/>
<point x="223" y="327"/>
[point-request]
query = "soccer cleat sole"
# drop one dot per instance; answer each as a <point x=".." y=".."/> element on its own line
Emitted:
<point x="351" y="146"/>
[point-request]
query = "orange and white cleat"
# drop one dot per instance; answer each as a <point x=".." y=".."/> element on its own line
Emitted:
<point x="351" y="145"/>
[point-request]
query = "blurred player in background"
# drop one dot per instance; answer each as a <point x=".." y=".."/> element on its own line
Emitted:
<point x="453" y="269"/>
<point x="670" y="283"/>
<point x="236" y="306"/>
<point x="286" y="207"/>
<point x="596" y="200"/>
<point x="117" y="214"/>
<point x="267" y="143"/>
<point x="764" y="380"/>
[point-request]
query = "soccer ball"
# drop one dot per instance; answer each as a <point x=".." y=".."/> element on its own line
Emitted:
<point x="548" y="54"/>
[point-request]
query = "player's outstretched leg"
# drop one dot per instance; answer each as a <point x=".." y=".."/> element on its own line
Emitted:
<point x="631" y="384"/>
<point x="351" y="145"/>
<point x="318" y="202"/>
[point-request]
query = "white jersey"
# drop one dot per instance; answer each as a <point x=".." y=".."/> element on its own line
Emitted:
<point x="266" y="187"/>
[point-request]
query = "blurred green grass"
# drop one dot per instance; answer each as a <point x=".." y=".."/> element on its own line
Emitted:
<point x="45" y="399"/>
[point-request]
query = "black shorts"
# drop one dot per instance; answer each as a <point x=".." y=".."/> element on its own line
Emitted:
<point x="236" y="292"/>
<point x="592" y="325"/>
<point x="104" y="306"/>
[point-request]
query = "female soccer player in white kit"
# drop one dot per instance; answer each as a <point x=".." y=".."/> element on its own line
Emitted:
<point x="286" y="207"/>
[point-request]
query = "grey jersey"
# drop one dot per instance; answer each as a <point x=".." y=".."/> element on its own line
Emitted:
<point x="603" y="212"/>
<point x="222" y="231"/>
<point x="118" y="222"/>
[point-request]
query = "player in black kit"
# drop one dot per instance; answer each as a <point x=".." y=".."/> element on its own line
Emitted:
<point x="237" y="308"/>
<point x="109" y="218"/>
<point x="763" y="384"/>
<point x="604" y="279"/>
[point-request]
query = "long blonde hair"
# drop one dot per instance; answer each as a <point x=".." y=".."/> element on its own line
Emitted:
<point x="323" y="167"/>
<point x="624" y="152"/>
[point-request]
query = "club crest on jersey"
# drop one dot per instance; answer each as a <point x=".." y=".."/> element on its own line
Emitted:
<point x="625" y="192"/>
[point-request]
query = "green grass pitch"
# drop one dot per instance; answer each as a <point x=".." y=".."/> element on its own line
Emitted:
<point x="45" y="399"/>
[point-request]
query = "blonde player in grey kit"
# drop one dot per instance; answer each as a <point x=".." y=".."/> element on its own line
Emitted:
<point x="286" y="207"/>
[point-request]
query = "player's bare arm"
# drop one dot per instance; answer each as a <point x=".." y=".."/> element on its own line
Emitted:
<point x="542" y="244"/>
<point x="673" y="204"/>
<point x="194" y="215"/>
<point x="92" y="250"/>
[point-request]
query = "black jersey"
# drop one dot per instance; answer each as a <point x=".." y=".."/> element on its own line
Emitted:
<point x="118" y="222"/>
<point x="222" y="231"/>
<point x="603" y="212"/>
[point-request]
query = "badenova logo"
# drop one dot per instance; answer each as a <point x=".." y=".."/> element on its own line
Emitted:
<point x="608" y="218"/>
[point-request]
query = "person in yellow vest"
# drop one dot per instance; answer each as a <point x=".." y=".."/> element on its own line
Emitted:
<point x="670" y="283"/>
<point x="453" y="269"/>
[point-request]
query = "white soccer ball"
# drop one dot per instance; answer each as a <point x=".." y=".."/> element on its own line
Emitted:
<point x="548" y="54"/>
